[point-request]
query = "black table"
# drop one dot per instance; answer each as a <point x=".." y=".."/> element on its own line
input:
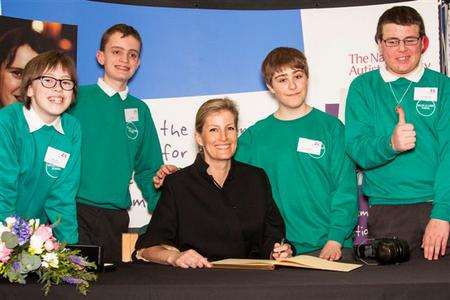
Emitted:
<point x="417" y="279"/>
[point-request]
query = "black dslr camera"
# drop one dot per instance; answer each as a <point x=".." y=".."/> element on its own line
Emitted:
<point x="385" y="251"/>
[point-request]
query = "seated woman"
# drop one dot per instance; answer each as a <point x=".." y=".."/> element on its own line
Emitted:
<point x="40" y="147"/>
<point x="217" y="207"/>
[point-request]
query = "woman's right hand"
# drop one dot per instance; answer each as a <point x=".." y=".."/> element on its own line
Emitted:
<point x="188" y="259"/>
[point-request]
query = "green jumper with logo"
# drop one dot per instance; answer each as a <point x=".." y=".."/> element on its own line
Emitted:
<point x="119" y="137"/>
<point x="419" y="175"/>
<point x="32" y="188"/>
<point x="313" y="184"/>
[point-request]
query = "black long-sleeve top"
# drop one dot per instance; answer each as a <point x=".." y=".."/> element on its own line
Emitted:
<point x="239" y="220"/>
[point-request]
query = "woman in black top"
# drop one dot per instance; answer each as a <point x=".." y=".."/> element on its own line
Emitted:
<point x="217" y="207"/>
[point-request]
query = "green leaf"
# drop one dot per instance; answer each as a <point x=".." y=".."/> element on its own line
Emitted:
<point x="30" y="262"/>
<point x="14" y="276"/>
<point x="10" y="239"/>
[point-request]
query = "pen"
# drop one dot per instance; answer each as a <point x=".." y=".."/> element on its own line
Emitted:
<point x="282" y="242"/>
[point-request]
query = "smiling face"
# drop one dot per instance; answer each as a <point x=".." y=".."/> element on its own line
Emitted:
<point x="402" y="59"/>
<point x="218" y="137"/>
<point x="120" y="59"/>
<point x="290" y="87"/>
<point x="49" y="103"/>
<point x="11" y="77"/>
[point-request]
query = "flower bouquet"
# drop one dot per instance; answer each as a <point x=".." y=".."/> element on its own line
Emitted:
<point x="30" y="247"/>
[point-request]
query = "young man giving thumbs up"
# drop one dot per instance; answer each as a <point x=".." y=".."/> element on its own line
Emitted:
<point x="398" y="131"/>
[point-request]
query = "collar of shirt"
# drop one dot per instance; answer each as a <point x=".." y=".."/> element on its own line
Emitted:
<point x="35" y="123"/>
<point x="414" y="76"/>
<point x="202" y="167"/>
<point x="110" y="91"/>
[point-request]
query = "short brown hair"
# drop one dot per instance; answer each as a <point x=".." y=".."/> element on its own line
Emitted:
<point x="400" y="15"/>
<point x="124" y="29"/>
<point x="213" y="106"/>
<point x="46" y="61"/>
<point x="280" y="58"/>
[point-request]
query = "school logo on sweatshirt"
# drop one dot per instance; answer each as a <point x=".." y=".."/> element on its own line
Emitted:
<point x="52" y="170"/>
<point x="425" y="108"/>
<point x="132" y="131"/>
<point x="426" y="98"/>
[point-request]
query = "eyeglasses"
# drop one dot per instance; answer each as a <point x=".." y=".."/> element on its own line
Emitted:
<point x="394" y="42"/>
<point x="50" y="82"/>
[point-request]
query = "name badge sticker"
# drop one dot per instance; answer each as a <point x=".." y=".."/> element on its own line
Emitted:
<point x="425" y="94"/>
<point x="131" y="115"/>
<point x="309" y="146"/>
<point x="56" y="157"/>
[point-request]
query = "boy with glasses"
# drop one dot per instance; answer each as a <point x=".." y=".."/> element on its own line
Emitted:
<point x="119" y="138"/>
<point x="398" y="131"/>
<point x="40" y="147"/>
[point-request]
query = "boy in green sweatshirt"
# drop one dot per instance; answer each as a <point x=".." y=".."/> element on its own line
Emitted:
<point x="302" y="151"/>
<point x="40" y="147"/>
<point x="398" y="131"/>
<point x="119" y="139"/>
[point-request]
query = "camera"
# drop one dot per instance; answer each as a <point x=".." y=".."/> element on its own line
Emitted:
<point x="385" y="250"/>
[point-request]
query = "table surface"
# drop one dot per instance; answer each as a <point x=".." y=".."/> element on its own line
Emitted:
<point x="416" y="279"/>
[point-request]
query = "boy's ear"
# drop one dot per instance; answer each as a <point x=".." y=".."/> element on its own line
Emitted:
<point x="100" y="57"/>
<point x="30" y="92"/>
<point x="270" y="88"/>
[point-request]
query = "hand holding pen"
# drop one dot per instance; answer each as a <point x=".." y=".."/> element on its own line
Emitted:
<point x="281" y="250"/>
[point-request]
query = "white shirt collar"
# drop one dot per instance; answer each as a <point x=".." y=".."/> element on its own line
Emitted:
<point x="35" y="123"/>
<point x="110" y="91"/>
<point x="414" y="76"/>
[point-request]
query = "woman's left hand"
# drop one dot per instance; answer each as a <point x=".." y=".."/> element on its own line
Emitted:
<point x="331" y="251"/>
<point x="281" y="251"/>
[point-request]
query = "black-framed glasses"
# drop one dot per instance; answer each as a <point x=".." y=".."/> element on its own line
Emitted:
<point x="395" y="42"/>
<point x="50" y="82"/>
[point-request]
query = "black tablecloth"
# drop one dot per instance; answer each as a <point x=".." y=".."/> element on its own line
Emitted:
<point x="417" y="279"/>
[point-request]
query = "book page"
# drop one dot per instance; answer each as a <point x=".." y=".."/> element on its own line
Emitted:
<point x="300" y="261"/>
<point x="319" y="263"/>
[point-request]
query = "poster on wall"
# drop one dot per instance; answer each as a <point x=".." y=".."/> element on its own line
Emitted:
<point x="20" y="41"/>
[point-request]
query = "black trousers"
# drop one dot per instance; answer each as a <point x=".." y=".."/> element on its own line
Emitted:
<point x="103" y="227"/>
<point x="407" y="222"/>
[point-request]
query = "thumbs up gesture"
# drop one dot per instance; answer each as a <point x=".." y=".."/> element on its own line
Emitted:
<point x="404" y="136"/>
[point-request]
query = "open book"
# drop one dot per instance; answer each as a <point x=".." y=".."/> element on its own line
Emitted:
<point x="299" y="261"/>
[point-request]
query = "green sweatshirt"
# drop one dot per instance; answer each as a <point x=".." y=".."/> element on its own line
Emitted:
<point x="119" y="137"/>
<point x="315" y="188"/>
<point x="415" y="176"/>
<point x="31" y="187"/>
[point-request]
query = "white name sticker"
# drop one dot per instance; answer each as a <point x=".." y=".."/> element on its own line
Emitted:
<point x="309" y="146"/>
<point x="56" y="157"/>
<point x="131" y="115"/>
<point x="425" y="94"/>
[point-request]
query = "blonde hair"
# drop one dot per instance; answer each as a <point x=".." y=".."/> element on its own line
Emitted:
<point x="212" y="106"/>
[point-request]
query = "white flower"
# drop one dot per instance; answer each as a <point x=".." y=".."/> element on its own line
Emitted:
<point x="36" y="244"/>
<point x="50" y="259"/>
<point x="10" y="222"/>
<point x="34" y="223"/>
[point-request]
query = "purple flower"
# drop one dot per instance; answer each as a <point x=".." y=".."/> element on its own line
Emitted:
<point x="78" y="260"/>
<point x="16" y="266"/>
<point x="21" y="229"/>
<point x="72" y="280"/>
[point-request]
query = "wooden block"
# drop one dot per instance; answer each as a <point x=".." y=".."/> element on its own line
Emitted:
<point x="128" y="243"/>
